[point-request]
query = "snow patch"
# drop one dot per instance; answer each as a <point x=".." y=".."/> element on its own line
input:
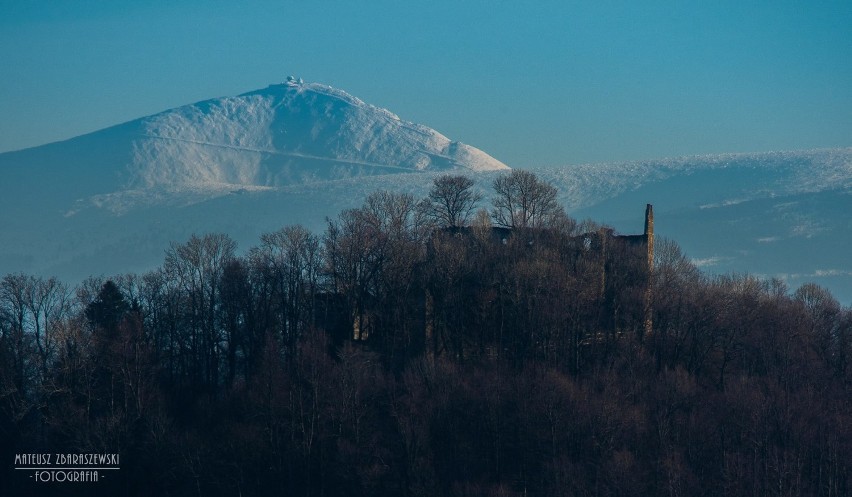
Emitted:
<point x="708" y="261"/>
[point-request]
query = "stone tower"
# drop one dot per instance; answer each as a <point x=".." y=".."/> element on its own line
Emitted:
<point x="649" y="234"/>
<point x="649" y="243"/>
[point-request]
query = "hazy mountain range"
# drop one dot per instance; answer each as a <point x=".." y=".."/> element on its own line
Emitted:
<point x="111" y="201"/>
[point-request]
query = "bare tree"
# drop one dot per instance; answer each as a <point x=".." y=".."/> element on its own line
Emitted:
<point x="197" y="267"/>
<point x="451" y="200"/>
<point x="372" y="256"/>
<point x="524" y="201"/>
<point x="14" y="291"/>
<point x="824" y="315"/>
<point x="293" y="256"/>
<point x="48" y="302"/>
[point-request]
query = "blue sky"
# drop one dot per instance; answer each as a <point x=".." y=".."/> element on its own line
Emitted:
<point x="543" y="83"/>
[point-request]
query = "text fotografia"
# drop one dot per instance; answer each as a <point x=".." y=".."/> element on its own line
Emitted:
<point x="67" y="468"/>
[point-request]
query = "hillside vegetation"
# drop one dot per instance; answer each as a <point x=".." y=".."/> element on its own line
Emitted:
<point x="432" y="347"/>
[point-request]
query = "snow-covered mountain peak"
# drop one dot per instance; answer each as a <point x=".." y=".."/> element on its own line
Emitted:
<point x="287" y="134"/>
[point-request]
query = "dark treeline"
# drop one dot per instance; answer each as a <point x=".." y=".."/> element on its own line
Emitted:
<point x="430" y="348"/>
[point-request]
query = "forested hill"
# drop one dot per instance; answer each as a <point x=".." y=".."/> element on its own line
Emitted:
<point x="429" y="347"/>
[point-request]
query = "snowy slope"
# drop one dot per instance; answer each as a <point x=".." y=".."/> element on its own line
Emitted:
<point x="287" y="134"/>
